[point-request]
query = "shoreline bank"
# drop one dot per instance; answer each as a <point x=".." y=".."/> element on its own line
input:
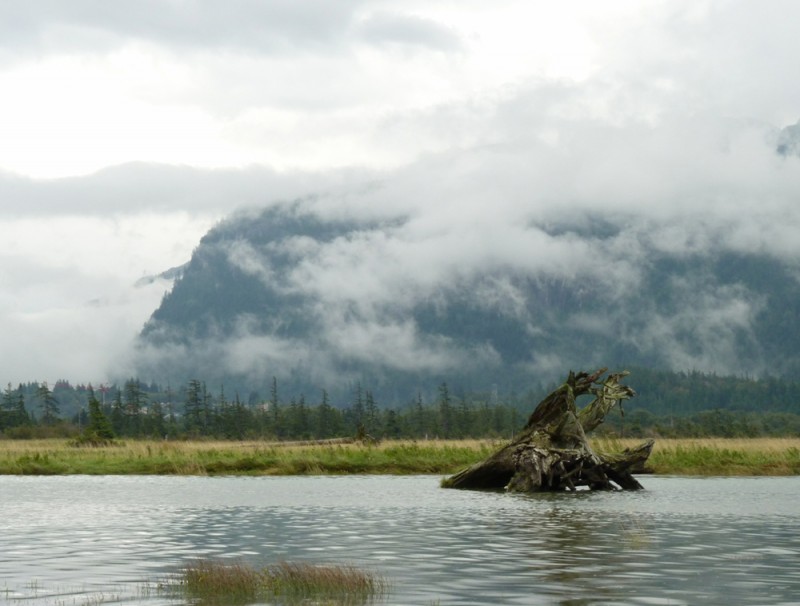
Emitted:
<point x="690" y="456"/>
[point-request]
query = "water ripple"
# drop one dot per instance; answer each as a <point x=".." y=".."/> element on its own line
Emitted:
<point x="683" y="541"/>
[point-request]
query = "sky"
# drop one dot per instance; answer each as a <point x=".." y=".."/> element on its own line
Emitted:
<point x="128" y="129"/>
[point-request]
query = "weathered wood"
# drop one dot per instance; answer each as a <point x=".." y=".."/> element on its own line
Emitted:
<point x="552" y="452"/>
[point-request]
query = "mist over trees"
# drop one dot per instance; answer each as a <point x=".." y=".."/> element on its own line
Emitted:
<point x="379" y="310"/>
<point x="324" y="296"/>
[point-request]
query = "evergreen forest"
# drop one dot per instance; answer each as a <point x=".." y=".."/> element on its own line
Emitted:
<point x="668" y="404"/>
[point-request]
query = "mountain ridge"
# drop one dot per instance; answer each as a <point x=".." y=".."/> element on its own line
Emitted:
<point x="498" y="267"/>
<point x="241" y="309"/>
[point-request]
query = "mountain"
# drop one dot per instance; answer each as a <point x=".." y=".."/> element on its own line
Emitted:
<point x="502" y="267"/>
<point x="324" y="298"/>
<point x="788" y="142"/>
<point x="173" y="273"/>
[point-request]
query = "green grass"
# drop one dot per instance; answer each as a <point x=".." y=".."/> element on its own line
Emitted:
<point x="720" y="456"/>
<point x="761" y="456"/>
<point x="49" y="457"/>
<point x="723" y="460"/>
<point x="212" y="582"/>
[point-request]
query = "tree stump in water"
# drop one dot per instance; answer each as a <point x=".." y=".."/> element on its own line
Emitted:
<point x="552" y="452"/>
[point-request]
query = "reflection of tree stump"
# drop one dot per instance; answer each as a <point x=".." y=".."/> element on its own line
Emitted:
<point x="552" y="452"/>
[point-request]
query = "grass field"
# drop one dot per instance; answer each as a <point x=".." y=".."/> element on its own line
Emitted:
<point x="727" y="457"/>
<point x="759" y="456"/>
<point x="45" y="457"/>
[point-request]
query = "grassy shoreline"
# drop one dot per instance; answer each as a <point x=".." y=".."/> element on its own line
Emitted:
<point x="727" y="457"/>
<point x="695" y="456"/>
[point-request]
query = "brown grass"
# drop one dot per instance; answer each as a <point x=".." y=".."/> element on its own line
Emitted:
<point x="54" y="456"/>
<point x="709" y="456"/>
<point x="719" y="456"/>
<point x="234" y="583"/>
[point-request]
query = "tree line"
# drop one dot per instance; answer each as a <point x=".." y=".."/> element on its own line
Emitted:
<point x="195" y="412"/>
<point x="668" y="404"/>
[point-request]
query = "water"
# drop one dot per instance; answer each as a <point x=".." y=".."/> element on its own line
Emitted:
<point x="89" y="540"/>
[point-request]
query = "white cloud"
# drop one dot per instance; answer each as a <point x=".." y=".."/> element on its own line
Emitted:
<point x="702" y="334"/>
<point x="485" y="125"/>
<point x="69" y="307"/>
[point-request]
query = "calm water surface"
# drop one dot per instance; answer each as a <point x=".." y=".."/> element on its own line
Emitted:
<point x="89" y="540"/>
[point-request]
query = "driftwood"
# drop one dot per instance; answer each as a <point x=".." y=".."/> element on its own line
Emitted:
<point x="552" y="452"/>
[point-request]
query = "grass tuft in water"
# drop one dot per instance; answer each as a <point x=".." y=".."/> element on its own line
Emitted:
<point x="209" y="581"/>
<point x="292" y="578"/>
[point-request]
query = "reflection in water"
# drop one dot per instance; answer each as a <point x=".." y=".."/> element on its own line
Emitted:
<point x="682" y="541"/>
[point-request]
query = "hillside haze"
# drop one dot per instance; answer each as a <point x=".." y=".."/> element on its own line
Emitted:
<point x="492" y="271"/>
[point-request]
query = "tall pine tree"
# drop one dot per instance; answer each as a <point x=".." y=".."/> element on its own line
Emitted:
<point x="48" y="404"/>
<point x="99" y="429"/>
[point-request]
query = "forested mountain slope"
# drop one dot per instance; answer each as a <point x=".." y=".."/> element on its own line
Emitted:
<point x="321" y="299"/>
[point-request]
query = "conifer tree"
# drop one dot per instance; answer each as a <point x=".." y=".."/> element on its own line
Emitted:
<point x="419" y="417"/>
<point x="48" y="404"/>
<point x="445" y="411"/>
<point x="156" y="420"/>
<point x="358" y="409"/>
<point x="304" y="420"/>
<point x="274" y="402"/>
<point x="170" y="412"/>
<point x="370" y="414"/>
<point x="21" y="417"/>
<point x="242" y="418"/>
<point x="208" y="412"/>
<point x="118" y="418"/>
<point x="99" y="429"/>
<point x="7" y="409"/>
<point x="392" y="427"/>
<point x="325" y="427"/>
<point x="464" y="417"/>
<point x="193" y="406"/>
<point x="134" y="401"/>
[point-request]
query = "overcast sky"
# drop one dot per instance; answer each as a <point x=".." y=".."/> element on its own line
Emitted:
<point x="128" y="129"/>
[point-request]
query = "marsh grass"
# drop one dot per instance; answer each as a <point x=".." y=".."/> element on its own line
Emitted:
<point x="758" y="456"/>
<point x="718" y="456"/>
<point x="48" y="457"/>
<point x="213" y="582"/>
<point x="292" y="578"/>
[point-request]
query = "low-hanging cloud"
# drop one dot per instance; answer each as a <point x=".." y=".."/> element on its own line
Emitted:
<point x="442" y="230"/>
<point x="138" y="188"/>
<point x="476" y="169"/>
<point x="273" y="27"/>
